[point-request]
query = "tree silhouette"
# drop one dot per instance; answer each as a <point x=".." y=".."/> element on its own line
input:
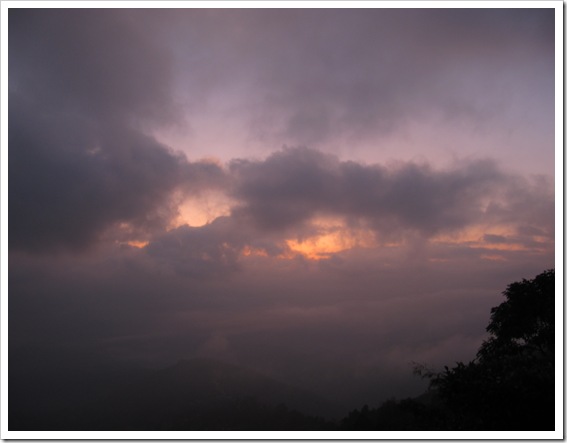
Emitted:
<point x="525" y="322"/>
<point x="510" y="384"/>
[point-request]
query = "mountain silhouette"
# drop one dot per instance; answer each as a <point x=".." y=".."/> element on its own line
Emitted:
<point x="198" y="394"/>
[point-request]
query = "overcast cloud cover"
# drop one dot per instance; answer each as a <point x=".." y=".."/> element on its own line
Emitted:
<point x="325" y="195"/>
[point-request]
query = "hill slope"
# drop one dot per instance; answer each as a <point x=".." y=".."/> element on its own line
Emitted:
<point x="206" y="394"/>
<point x="195" y="394"/>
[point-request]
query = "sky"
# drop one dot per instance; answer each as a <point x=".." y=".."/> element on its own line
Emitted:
<point x="326" y="195"/>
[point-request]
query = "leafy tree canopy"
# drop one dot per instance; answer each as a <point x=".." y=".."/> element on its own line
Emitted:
<point x="526" y="320"/>
<point x="510" y="385"/>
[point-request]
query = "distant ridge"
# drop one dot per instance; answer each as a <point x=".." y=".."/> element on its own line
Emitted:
<point x="203" y="394"/>
<point x="205" y="379"/>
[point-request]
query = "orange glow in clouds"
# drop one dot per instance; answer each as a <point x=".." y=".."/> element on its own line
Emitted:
<point x="200" y="210"/>
<point x="137" y="244"/>
<point x="333" y="237"/>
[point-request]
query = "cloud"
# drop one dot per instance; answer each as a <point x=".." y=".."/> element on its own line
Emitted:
<point x="88" y="87"/>
<point x="285" y="189"/>
<point x="295" y="185"/>
<point x="300" y="202"/>
<point x="106" y="64"/>
<point x="69" y="182"/>
<point x="320" y="75"/>
<point x="83" y="86"/>
<point x="200" y="252"/>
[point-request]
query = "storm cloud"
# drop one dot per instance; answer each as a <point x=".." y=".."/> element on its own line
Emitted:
<point x="79" y="159"/>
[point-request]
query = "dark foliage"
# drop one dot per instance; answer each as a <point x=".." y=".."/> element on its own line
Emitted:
<point x="524" y="323"/>
<point x="508" y="386"/>
<point x="405" y="415"/>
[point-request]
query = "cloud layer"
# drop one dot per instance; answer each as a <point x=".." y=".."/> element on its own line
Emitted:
<point x="339" y="80"/>
<point x="301" y="195"/>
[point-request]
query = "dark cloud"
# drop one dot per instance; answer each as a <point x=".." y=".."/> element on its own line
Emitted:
<point x="205" y="176"/>
<point x="82" y="84"/>
<point x="69" y="182"/>
<point x="295" y="184"/>
<point x="285" y="189"/>
<point x="202" y="252"/>
<point x="102" y="63"/>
